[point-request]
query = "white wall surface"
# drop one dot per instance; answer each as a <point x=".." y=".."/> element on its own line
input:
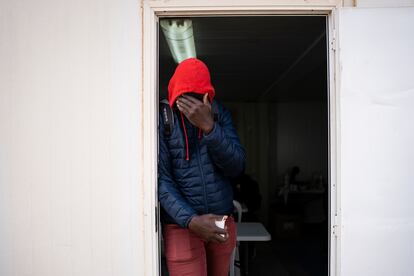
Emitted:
<point x="70" y="196"/>
<point x="377" y="134"/>
<point x="383" y="3"/>
<point x="71" y="191"/>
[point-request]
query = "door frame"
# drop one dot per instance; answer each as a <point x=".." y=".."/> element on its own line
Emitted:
<point x="151" y="10"/>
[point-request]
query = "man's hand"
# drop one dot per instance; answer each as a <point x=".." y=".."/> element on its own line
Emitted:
<point x="198" y="113"/>
<point x="205" y="227"/>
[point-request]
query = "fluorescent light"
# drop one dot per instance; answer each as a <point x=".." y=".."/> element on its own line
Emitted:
<point x="180" y="38"/>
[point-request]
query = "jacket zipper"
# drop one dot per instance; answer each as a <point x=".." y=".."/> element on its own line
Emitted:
<point x="202" y="174"/>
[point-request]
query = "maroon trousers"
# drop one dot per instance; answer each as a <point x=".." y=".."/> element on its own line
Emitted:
<point x="188" y="255"/>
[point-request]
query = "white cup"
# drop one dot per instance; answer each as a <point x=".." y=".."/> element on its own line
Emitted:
<point x="221" y="223"/>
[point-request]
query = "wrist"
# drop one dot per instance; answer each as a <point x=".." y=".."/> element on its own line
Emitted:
<point x="207" y="130"/>
<point x="193" y="220"/>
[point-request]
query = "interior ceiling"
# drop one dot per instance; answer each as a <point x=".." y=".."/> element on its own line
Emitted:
<point x="272" y="58"/>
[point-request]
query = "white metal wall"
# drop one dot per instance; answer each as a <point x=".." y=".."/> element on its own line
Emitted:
<point x="70" y="199"/>
<point x="377" y="134"/>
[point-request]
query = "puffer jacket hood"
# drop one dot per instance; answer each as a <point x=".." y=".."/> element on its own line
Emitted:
<point x="191" y="75"/>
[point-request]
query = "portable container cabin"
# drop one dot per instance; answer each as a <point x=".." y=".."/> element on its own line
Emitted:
<point x="78" y="124"/>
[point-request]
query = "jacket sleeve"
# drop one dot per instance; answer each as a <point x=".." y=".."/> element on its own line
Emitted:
<point x="224" y="145"/>
<point x="171" y="199"/>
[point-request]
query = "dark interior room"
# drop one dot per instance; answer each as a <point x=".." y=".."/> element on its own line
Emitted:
<point x="271" y="73"/>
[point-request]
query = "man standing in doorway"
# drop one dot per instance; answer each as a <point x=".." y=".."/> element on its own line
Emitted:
<point x="196" y="159"/>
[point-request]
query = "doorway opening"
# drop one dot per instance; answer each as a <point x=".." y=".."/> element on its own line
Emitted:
<point x="271" y="72"/>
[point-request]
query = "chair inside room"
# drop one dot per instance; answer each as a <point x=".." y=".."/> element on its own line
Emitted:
<point x="235" y="258"/>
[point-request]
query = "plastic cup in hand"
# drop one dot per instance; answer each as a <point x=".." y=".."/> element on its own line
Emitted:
<point x="221" y="223"/>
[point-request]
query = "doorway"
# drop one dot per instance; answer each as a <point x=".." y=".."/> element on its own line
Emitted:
<point x="271" y="72"/>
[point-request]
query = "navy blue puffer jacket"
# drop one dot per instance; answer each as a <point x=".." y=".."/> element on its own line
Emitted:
<point x="201" y="184"/>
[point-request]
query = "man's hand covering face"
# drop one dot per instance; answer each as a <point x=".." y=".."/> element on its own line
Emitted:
<point x="197" y="112"/>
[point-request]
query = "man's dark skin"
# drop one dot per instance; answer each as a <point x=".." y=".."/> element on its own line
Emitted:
<point x="199" y="114"/>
